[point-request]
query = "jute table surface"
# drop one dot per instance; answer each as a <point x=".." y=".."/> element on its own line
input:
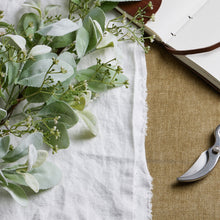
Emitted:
<point x="183" y="113"/>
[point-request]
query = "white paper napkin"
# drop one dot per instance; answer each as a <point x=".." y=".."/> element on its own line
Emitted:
<point x="104" y="177"/>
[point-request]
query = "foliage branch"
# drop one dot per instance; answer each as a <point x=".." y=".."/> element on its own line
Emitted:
<point x="42" y="92"/>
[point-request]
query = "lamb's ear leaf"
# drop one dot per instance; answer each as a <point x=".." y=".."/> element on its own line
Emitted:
<point x="98" y="15"/>
<point x="3" y="113"/>
<point x="82" y="41"/>
<point x="59" y="28"/>
<point x="17" y="193"/>
<point x="32" y="156"/>
<point x="18" y="40"/>
<point x="47" y="175"/>
<point x="90" y="120"/>
<point x="22" y="149"/>
<point x="39" y="50"/>
<point x="3" y="178"/>
<point x="31" y="181"/>
<point x="4" y="145"/>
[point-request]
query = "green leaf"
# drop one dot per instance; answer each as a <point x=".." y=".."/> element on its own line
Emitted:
<point x="89" y="75"/>
<point x="97" y="86"/>
<point x="48" y="175"/>
<point x="4" y="145"/>
<point x="80" y="104"/>
<point x="3" y="113"/>
<point x="86" y="74"/>
<point x="3" y="178"/>
<point x="39" y="50"/>
<point x="61" y="141"/>
<point x="90" y="120"/>
<point x="12" y="71"/>
<point x="96" y="14"/>
<point x="33" y="4"/>
<point x="34" y="71"/>
<point x="108" y="6"/>
<point x="37" y="95"/>
<point x="93" y="34"/>
<point x="32" y="156"/>
<point x="17" y="193"/>
<point x="28" y="25"/>
<point x="41" y="158"/>
<point x="31" y="181"/>
<point x="22" y="149"/>
<point x="16" y="178"/>
<point x="18" y="40"/>
<point x="59" y="28"/>
<point x="48" y="8"/>
<point x="68" y="58"/>
<point x="121" y="79"/>
<point x="82" y="42"/>
<point x="59" y="108"/>
<point x="63" y="41"/>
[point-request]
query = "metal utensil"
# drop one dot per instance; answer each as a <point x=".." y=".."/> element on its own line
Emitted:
<point x="205" y="163"/>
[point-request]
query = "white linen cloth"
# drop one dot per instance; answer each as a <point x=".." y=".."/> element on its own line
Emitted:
<point x="104" y="177"/>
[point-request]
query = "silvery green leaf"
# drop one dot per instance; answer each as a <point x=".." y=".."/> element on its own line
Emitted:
<point x="121" y="78"/>
<point x="17" y="193"/>
<point x="34" y="71"/>
<point x="98" y="28"/>
<point x="60" y="28"/>
<point x="79" y="105"/>
<point x="12" y="71"/>
<point x="82" y="42"/>
<point x="3" y="178"/>
<point x="96" y="14"/>
<point x="63" y="41"/>
<point x="4" y="145"/>
<point x="48" y="8"/>
<point x="61" y="141"/>
<point x="16" y="178"/>
<point x="39" y="50"/>
<point x="94" y="36"/>
<point x="90" y="120"/>
<point x="68" y="58"/>
<point x="59" y="108"/>
<point x="41" y="158"/>
<point x="22" y="149"/>
<point x="97" y="86"/>
<point x="47" y="175"/>
<point x="31" y="181"/>
<point x="37" y="95"/>
<point x="3" y="113"/>
<point x="108" y="6"/>
<point x="18" y="40"/>
<point x="23" y="26"/>
<point x="32" y="156"/>
<point x="86" y="74"/>
<point x="33" y="4"/>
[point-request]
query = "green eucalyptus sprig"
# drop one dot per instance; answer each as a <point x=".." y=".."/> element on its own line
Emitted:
<point x="42" y="91"/>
